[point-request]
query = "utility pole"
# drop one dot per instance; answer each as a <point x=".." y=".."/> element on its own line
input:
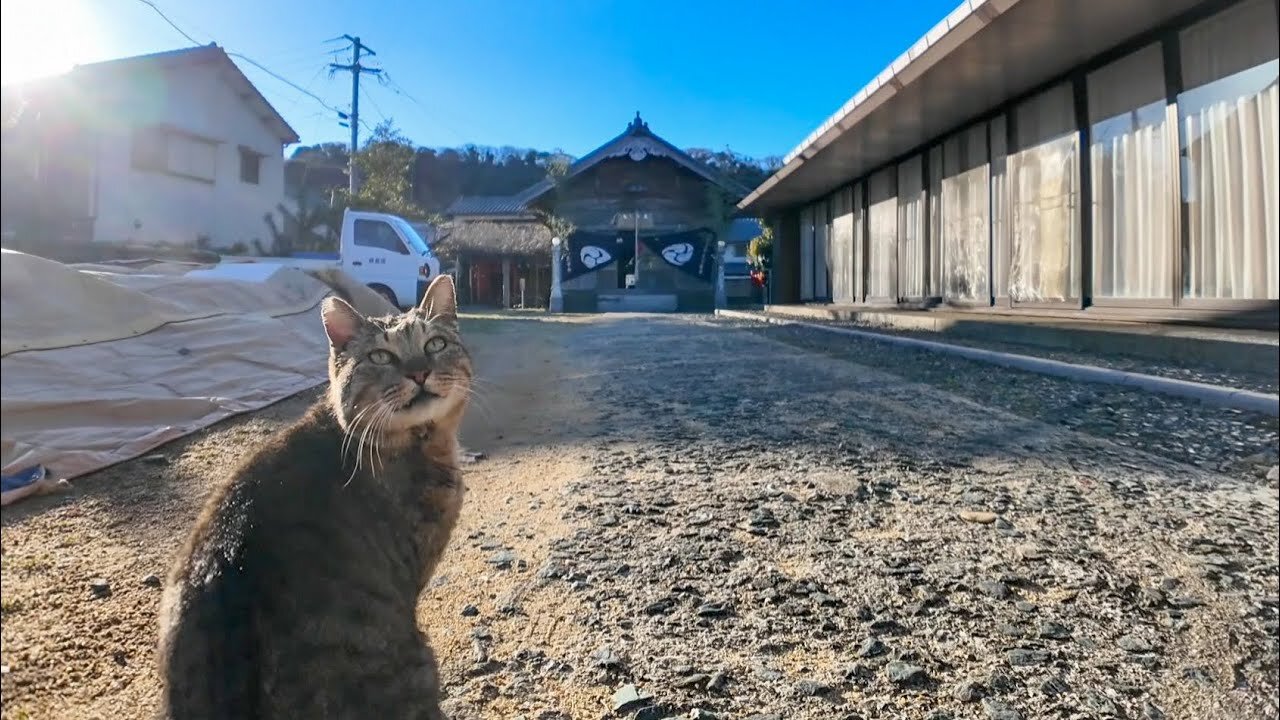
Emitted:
<point x="356" y="69"/>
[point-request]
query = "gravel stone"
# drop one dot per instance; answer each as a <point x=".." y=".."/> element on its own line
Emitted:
<point x="905" y="673"/>
<point x="1025" y="658"/>
<point x="100" y="588"/>
<point x="981" y="517"/>
<point x="1134" y="644"/>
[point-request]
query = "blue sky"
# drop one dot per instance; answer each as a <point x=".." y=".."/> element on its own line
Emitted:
<point x="755" y="75"/>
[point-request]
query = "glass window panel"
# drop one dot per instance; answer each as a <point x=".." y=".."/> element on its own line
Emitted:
<point x="1000" y="206"/>
<point x="882" y="211"/>
<point x="935" y="221"/>
<point x="859" y="243"/>
<point x="842" y="246"/>
<point x="1043" y="182"/>
<point x="821" y="251"/>
<point x="965" y="217"/>
<point x="1228" y="119"/>
<point x="912" y="217"/>
<point x="806" y="253"/>
<point x="1133" y="197"/>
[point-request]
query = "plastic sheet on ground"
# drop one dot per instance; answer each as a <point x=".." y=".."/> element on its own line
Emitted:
<point x="102" y="363"/>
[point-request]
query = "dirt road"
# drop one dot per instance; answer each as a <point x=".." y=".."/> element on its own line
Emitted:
<point x="695" y="519"/>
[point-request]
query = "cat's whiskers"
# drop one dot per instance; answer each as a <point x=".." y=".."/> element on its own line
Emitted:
<point x="383" y="409"/>
<point x="348" y="433"/>
<point x="377" y="409"/>
<point x="379" y="437"/>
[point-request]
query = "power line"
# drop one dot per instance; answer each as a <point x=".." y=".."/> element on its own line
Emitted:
<point x="246" y="58"/>
<point x="285" y="80"/>
<point x="399" y="89"/>
<point x="376" y="108"/>
<point x="172" y="24"/>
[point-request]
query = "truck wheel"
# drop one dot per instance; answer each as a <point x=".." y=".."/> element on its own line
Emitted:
<point x="385" y="292"/>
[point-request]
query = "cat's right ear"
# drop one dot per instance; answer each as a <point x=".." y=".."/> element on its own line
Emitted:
<point x="341" y="321"/>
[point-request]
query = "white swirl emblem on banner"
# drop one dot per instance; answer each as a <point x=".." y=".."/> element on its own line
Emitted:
<point x="593" y="257"/>
<point x="679" y="253"/>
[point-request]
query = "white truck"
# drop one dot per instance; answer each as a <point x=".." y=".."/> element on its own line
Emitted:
<point x="382" y="251"/>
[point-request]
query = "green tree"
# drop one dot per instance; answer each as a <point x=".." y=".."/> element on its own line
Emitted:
<point x="720" y="211"/>
<point x="557" y="173"/>
<point x="310" y="228"/>
<point x="760" y="249"/>
<point x="385" y="168"/>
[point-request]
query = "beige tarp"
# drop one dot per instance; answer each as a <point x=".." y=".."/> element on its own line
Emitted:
<point x="104" y="363"/>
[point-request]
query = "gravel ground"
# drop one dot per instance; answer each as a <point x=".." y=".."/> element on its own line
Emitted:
<point x="708" y="519"/>
<point x="1266" y="382"/>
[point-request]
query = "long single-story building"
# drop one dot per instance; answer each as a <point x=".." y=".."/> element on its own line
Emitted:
<point x="1089" y="159"/>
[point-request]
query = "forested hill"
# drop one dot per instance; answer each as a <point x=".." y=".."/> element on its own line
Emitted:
<point x="440" y="175"/>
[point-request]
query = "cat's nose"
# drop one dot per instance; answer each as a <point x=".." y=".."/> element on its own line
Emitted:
<point x="418" y="376"/>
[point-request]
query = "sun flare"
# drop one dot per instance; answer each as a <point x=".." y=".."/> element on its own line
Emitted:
<point x="45" y="37"/>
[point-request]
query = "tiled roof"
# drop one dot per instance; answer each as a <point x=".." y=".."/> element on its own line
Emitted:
<point x="637" y="131"/>
<point x="486" y="205"/>
<point x="244" y="87"/>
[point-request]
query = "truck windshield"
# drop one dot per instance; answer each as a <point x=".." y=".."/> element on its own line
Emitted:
<point x="412" y="237"/>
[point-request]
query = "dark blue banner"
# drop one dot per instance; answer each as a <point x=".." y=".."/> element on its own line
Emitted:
<point x="588" y="252"/>
<point x="692" y="251"/>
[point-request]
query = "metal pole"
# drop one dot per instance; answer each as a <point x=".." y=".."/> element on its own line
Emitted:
<point x="356" y="70"/>
<point x="352" y="185"/>
<point x="721" y="298"/>
<point x="637" y="250"/>
<point x="557" y="295"/>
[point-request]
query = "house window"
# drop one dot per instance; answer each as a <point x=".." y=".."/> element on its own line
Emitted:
<point x="162" y="150"/>
<point x="150" y="150"/>
<point x="378" y="234"/>
<point x="250" y="166"/>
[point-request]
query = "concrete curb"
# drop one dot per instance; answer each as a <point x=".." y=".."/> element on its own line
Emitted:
<point x="1232" y="398"/>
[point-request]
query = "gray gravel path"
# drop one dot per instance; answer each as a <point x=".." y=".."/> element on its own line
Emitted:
<point x="1265" y="382"/>
<point x="782" y="524"/>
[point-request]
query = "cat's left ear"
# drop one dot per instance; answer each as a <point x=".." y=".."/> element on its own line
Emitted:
<point x="441" y="301"/>
<point x="341" y="321"/>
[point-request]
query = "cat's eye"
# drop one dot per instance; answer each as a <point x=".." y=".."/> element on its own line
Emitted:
<point x="435" y="345"/>
<point x="381" y="357"/>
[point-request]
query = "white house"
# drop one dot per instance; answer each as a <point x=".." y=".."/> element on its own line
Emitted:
<point x="172" y="148"/>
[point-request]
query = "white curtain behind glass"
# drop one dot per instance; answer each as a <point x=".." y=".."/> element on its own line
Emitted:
<point x="821" y="250"/>
<point x="912" y="270"/>
<point x="1229" y="119"/>
<point x="935" y="220"/>
<point x="1000" y="206"/>
<point x="1043" y="185"/>
<point x="1134" y="201"/>
<point x="966" y="227"/>
<point x="859" y="244"/>
<point x="806" y="253"/>
<point x="883" y="220"/>
<point x="842" y="246"/>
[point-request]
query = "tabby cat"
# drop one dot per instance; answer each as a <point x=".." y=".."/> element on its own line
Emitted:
<point x="294" y="596"/>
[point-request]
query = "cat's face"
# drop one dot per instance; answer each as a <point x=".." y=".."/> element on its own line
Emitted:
<point x="390" y="374"/>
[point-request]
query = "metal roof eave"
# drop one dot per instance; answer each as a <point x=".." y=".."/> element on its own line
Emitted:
<point x="957" y="27"/>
